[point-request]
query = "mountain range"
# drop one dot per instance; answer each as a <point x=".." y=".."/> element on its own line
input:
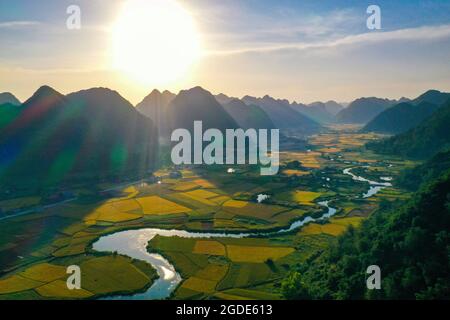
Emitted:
<point x="363" y="110"/>
<point x="223" y="98"/>
<point x="90" y="134"/>
<point x="404" y="116"/>
<point x="333" y="107"/>
<point x="316" y="111"/>
<point x="154" y="106"/>
<point x="283" y="115"/>
<point x="428" y="138"/>
<point x="198" y="104"/>
<point x="97" y="134"/>
<point x="248" y="116"/>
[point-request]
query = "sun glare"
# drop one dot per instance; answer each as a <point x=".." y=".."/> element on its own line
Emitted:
<point x="155" y="41"/>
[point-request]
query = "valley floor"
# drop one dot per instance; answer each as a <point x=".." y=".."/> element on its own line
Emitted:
<point x="36" y="248"/>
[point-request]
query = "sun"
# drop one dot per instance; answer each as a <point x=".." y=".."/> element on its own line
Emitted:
<point x="154" y="41"/>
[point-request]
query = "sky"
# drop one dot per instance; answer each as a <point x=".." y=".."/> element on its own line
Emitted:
<point x="304" y="51"/>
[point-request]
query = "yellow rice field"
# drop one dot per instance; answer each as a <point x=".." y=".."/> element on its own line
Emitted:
<point x="209" y="247"/>
<point x="256" y="254"/>
<point x="293" y="172"/>
<point x="157" y="205"/>
<point x="44" y="272"/>
<point x="199" y="285"/>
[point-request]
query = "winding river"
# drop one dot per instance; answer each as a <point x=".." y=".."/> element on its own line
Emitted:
<point x="374" y="186"/>
<point x="133" y="243"/>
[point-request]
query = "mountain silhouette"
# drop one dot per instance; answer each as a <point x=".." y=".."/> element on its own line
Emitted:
<point x="363" y="110"/>
<point x="333" y="107"/>
<point x="404" y="116"/>
<point x="7" y="97"/>
<point x="154" y="106"/>
<point x="283" y="115"/>
<point x="316" y="111"/>
<point x="223" y="98"/>
<point x="87" y="135"/>
<point x="423" y="141"/>
<point x="198" y="104"/>
<point x="248" y="116"/>
<point x="400" y="118"/>
<point x="433" y="96"/>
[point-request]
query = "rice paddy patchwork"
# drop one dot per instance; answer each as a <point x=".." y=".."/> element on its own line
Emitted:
<point x="205" y="183"/>
<point x="17" y="283"/>
<point x="70" y="250"/>
<point x="307" y="159"/>
<point x="284" y="218"/>
<point x="127" y="205"/>
<point x="330" y="150"/>
<point x="251" y="209"/>
<point x="58" y="289"/>
<point x="44" y="272"/>
<point x="301" y="197"/>
<point x="336" y="226"/>
<point x="184" y="186"/>
<point x="226" y="224"/>
<point x="293" y="172"/>
<point x="214" y="272"/>
<point x="225" y="296"/>
<point x="109" y="213"/>
<point x="251" y="294"/>
<point x="159" y="206"/>
<point x="202" y="196"/>
<point x="225" y="268"/>
<point x="112" y="274"/>
<point x="199" y="285"/>
<point x="209" y="247"/>
<point x="220" y="199"/>
<point x="256" y="254"/>
<point x="246" y="275"/>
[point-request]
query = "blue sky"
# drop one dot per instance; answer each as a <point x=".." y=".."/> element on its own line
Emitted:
<point x="301" y="50"/>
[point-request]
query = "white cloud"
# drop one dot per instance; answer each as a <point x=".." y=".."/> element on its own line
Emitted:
<point x="426" y="33"/>
<point x="18" y="24"/>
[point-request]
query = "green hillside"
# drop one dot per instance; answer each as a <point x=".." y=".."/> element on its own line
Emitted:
<point x="410" y="243"/>
<point x="87" y="135"/>
<point x="421" y="142"/>
<point x="401" y="118"/>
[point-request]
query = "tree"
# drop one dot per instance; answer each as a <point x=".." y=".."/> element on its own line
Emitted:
<point x="293" y="287"/>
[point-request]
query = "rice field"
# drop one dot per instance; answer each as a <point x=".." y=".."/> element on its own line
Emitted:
<point x="110" y="213"/>
<point x="44" y="272"/>
<point x="112" y="274"/>
<point x="129" y="205"/>
<point x="199" y="285"/>
<point x="209" y="247"/>
<point x="58" y="290"/>
<point x="160" y="206"/>
<point x="308" y="160"/>
<point x="251" y="209"/>
<point x="239" y="253"/>
<point x="336" y="227"/>
<point x="17" y="283"/>
<point x="184" y="186"/>
<point x="213" y="271"/>
<point x="205" y="184"/>
<point x="203" y="199"/>
<point x="301" y="197"/>
<point x="293" y="172"/>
